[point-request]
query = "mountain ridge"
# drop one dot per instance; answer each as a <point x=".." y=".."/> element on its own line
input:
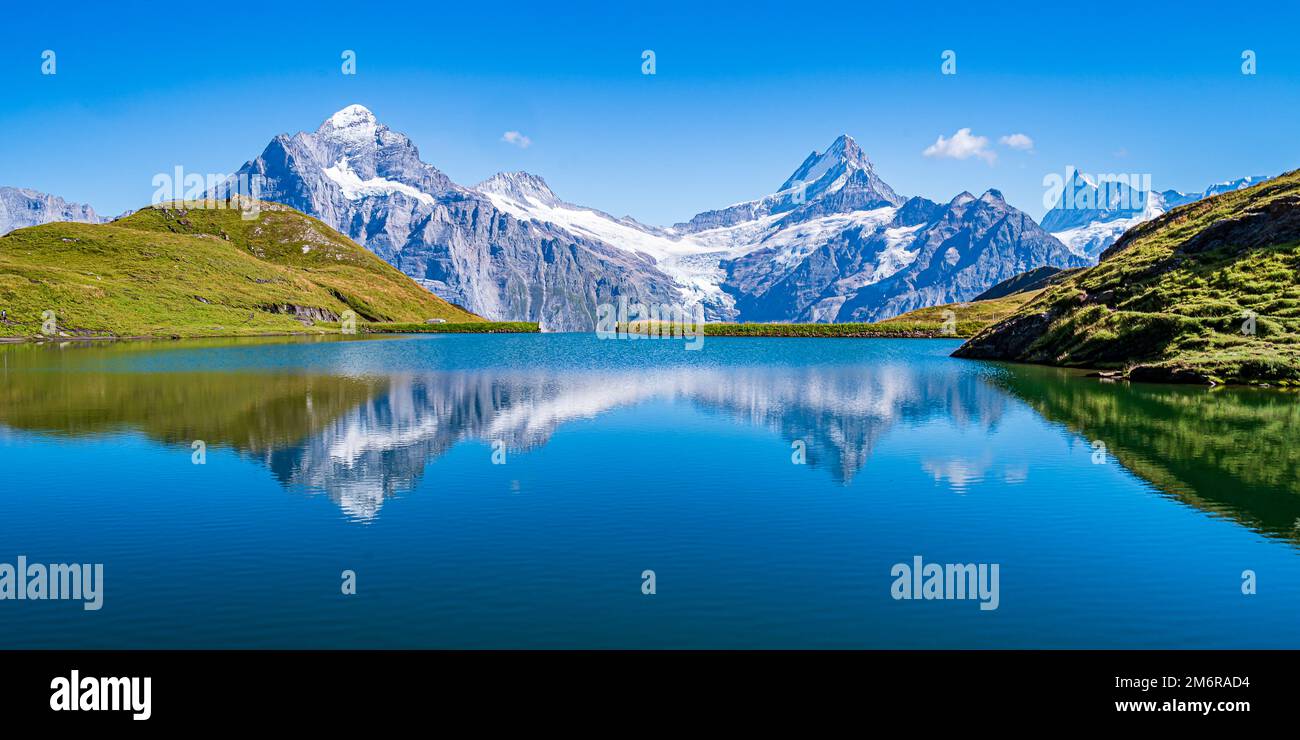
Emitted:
<point x="834" y="242"/>
<point x="1207" y="293"/>
<point x="23" y="207"/>
<point x="511" y="248"/>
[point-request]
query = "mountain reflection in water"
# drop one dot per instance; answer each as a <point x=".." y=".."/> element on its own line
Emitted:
<point x="362" y="439"/>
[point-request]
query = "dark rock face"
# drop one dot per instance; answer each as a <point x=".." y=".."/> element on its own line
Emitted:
<point x="1010" y="341"/>
<point x="973" y="245"/>
<point x="1164" y="374"/>
<point x="306" y="314"/>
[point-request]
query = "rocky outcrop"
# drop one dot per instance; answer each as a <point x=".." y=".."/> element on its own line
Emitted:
<point x="1012" y="339"/>
<point x="306" y="314"/>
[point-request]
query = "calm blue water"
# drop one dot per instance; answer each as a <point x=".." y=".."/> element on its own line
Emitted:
<point x="616" y="457"/>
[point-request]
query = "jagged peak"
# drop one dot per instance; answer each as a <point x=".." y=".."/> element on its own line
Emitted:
<point x="351" y="116"/>
<point x="843" y="154"/>
<point x="518" y="185"/>
<point x="963" y="197"/>
<point x="1230" y="185"/>
<point x="847" y="148"/>
<point x="353" y="128"/>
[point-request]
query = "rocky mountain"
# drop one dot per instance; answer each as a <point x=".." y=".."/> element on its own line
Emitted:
<point x="871" y="265"/>
<point x="838" y="180"/>
<point x="21" y="207"/>
<point x="1092" y="214"/>
<point x="834" y="242"/>
<point x="369" y="182"/>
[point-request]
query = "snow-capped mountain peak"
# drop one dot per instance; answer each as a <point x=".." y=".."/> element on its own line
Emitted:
<point x="354" y="132"/>
<point x="1228" y="186"/>
<point x="839" y="180"/>
<point x="360" y="155"/>
<point x="836" y="243"/>
<point x="841" y="157"/>
<point x="353" y="116"/>
<point x="842" y="177"/>
<point x="520" y="187"/>
<point x="503" y="256"/>
<point x="1091" y="214"/>
<point x="351" y="128"/>
<point x="961" y="198"/>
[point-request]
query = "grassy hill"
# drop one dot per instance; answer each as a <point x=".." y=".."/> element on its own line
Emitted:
<point x="179" y="270"/>
<point x="971" y="316"/>
<point x="1208" y="293"/>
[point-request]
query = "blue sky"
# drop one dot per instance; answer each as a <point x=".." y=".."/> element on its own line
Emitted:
<point x="741" y="95"/>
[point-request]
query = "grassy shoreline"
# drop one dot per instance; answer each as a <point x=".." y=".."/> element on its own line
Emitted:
<point x="321" y="330"/>
<point x="948" y="321"/>
<point x="816" y="331"/>
<point x="467" y="327"/>
<point x="910" y="330"/>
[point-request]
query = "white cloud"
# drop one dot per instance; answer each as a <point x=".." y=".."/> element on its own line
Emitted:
<point x="962" y="145"/>
<point x="1018" y="141"/>
<point x="516" y="138"/>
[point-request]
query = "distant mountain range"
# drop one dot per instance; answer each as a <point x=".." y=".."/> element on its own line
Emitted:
<point x="1114" y="208"/>
<point x="20" y="208"/>
<point x="834" y="242"/>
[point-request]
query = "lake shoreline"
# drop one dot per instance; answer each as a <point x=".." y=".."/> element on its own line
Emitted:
<point x="768" y="331"/>
<point x="487" y="327"/>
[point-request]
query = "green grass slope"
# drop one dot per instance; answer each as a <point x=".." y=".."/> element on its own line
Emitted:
<point x="1172" y="299"/>
<point x="180" y="270"/>
<point x="972" y="316"/>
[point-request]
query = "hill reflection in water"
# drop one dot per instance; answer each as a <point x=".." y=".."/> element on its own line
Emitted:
<point x="361" y="439"/>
